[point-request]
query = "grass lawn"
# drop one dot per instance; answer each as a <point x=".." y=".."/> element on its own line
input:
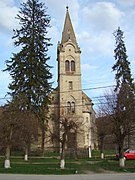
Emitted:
<point x="51" y="166"/>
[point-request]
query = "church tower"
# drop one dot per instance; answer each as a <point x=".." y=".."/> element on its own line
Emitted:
<point x="69" y="71"/>
<point x="69" y="76"/>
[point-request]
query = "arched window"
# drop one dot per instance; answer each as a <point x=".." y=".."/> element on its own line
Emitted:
<point x="73" y="107"/>
<point x="72" y="66"/>
<point x="67" y="65"/>
<point x="68" y="107"/>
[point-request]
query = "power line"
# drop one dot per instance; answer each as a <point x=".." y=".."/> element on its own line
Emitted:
<point x="100" y="87"/>
<point x="86" y="89"/>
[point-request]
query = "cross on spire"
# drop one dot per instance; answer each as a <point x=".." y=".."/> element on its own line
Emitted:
<point x="67" y="7"/>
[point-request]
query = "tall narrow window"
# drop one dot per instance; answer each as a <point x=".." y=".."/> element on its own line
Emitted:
<point x="68" y="107"/>
<point x="73" y="107"/>
<point x="72" y="66"/>
<point x="87" y="120"/>
<point x="67" y="65"/>
<point x="70" y="85"/>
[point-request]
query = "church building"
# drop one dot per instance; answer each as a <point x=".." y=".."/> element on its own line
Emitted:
<point x="68" y="99"/>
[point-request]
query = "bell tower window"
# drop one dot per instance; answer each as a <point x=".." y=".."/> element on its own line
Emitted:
<point x="67" y="65"/>
<point x="72" y="66"/>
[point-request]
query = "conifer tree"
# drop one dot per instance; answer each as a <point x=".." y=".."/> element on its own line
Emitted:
<point x="29" y="67"/>
<point x="122" y="65"/>
<point x="125" y="101"/>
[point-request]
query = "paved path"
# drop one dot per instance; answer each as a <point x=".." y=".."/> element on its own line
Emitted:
<point x="117" y="176"/>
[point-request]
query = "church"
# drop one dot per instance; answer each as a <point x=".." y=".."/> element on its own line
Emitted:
<point x="68" y="99"/>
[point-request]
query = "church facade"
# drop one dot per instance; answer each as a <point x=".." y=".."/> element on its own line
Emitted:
<point x="68" y="99"/>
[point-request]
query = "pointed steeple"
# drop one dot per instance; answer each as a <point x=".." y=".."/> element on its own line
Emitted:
<point x="68" y="31"/>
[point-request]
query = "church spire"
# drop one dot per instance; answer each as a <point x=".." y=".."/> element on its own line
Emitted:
<point x="68" y="31"/>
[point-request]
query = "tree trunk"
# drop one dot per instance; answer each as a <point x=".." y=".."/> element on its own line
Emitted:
<point x="62" y="161"/>
<point x="102" y="155"/>
<point x="128" y="141"/>
<point x="7" y="151"/>
<point x="26" y="153"/>
<point x="7" y="157"/>
<point x="89" y="149"/>
<point x="43" y="140"/>
<point x="121" y="154"/>
<point x="102" y="148"/>
<point x="122" y="162"/>
<point x="62" y="164"/>
<point x="75" y="145"/>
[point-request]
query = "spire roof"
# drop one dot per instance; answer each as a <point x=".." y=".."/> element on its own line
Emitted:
<point x="68" y="31"/>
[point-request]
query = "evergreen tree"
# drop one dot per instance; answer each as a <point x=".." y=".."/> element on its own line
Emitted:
<point x="122" y="65"/>
<point x="29" y="67"/>
<point x="125" y="101"/>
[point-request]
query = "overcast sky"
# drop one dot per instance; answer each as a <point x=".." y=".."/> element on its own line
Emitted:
<point x="94" y="22"/>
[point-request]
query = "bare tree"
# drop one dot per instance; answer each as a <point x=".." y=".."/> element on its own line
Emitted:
<point x="104" y="129"/>
<point x="42" y="115"/>
<point x="17" y="126"/>
<point x="67" y="126"/>
<point x="28" y="130"/>
<point x="9" y="126"/>
<point x="118" y="109"/>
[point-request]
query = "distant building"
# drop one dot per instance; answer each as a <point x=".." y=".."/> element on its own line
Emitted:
<point x="68" y="99"/>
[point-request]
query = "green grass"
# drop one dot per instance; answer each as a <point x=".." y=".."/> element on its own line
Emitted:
<point x="108" y="153"/>
<point x="36" y="169"/>
<point x="51" y="166"/>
